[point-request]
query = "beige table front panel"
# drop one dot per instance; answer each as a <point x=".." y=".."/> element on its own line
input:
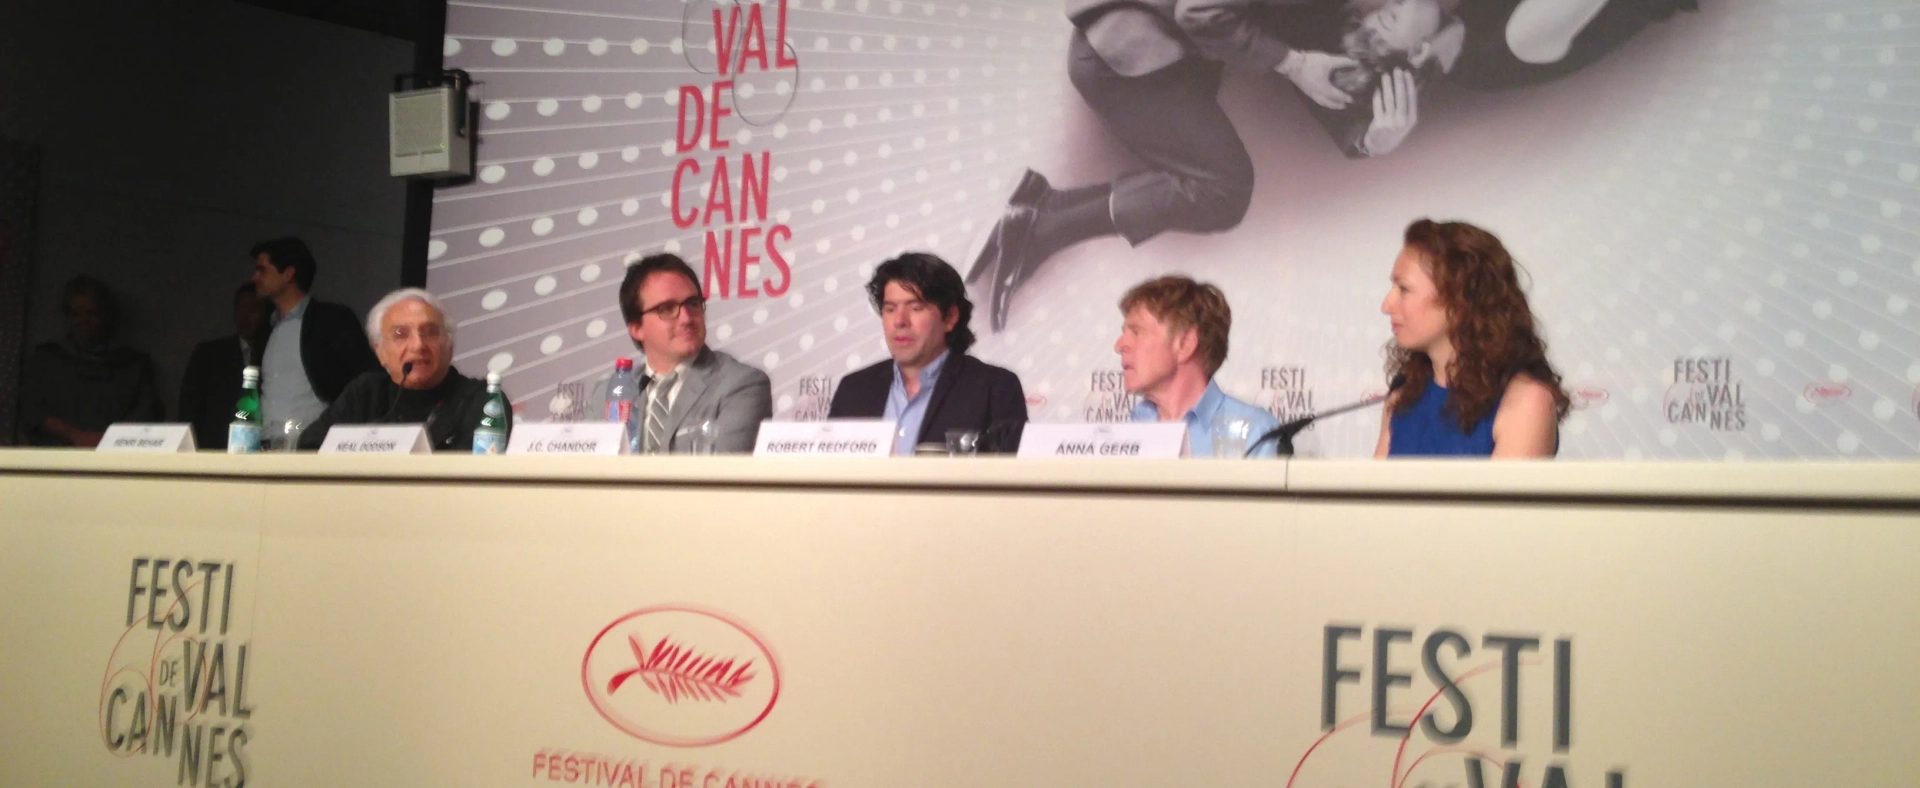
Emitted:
<point x="1013" y="625"/>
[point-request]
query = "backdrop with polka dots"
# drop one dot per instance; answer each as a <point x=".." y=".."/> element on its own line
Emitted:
<point x="1715" y="219"/>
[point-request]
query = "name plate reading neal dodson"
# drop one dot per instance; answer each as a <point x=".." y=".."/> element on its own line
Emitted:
<point x="844" y="438"/>
<point x="1153" y="440"/>
<point x="376" y="439"/>
<point x="163" y="438"/>
<point x="568" y="437"/>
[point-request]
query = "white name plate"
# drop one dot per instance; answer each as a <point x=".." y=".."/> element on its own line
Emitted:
<point x="163" y="438"/>
<point x="843" y="438"/>
<point x="1153" y="440"/>
<point x="376" y="439"/>
<point x="568" y="437"/>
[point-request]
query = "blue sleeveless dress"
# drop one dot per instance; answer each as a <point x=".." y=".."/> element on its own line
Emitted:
<point x="1426" y="430"/>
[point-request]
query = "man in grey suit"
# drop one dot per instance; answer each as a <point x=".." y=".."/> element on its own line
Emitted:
<point x="689" y="393"/>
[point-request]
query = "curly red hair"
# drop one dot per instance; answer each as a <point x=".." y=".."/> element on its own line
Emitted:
<point x="1492" y="328"/>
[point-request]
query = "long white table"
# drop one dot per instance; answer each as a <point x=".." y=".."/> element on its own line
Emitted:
<point x="726" y="622"/>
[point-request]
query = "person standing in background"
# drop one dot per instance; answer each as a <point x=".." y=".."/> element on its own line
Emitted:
<point x="313" y="348"/>
<point x="74" y="387"/>
<point x="212" y="380"/>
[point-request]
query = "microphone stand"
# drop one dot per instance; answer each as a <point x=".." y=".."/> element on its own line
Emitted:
<point x="393" y="409"/>
<point x="1285" y="433"/>
<point x="993" y="438"/>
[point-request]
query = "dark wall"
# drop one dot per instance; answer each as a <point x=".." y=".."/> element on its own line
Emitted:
<point x="178" y="133"/>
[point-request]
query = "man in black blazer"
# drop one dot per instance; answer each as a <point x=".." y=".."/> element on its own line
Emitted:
<point x="313" y="348"/>
<point x="930" y="385"/>
<point x="211" y="385"/>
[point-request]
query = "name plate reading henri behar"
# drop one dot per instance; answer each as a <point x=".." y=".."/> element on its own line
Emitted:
<point x="568" y="437"/>
<point x="843" y="438"/>
<point x="162" y="438"/>
<point x="1153" y="440"/>
<point x="376" y="439"/>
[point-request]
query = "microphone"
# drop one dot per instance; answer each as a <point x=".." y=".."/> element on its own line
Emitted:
<point x="1284" y="433"/>
<point x="393" y="409"/>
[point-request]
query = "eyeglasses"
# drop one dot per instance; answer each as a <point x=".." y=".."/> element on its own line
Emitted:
<point x="671" y="309"/>
<point x="427" y="333"/>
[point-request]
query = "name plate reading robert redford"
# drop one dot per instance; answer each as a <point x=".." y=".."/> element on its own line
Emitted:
<point x="840" y="438"/>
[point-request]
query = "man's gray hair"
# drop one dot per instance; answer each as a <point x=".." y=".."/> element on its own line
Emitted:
<point x="378" y="313"/>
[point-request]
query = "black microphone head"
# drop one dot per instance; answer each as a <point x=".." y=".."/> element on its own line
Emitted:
<point x="1398" y="381"/>
<point x="405" y="370"/>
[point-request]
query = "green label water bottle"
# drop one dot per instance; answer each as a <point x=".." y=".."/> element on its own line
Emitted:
<point x="496" y="418"/>
<point x="243" y="433"/>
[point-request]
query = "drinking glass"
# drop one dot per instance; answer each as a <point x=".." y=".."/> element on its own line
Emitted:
<point x="290" y="434"/>
<point x="1230" y="435"/>
<point x="697" y="438"/>
<point x="963" y="443"/>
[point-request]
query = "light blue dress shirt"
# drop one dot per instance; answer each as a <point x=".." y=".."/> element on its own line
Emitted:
<point x="910" y="412"/>
<point x="1214" y="402"/>
<point x="285" y="391"/>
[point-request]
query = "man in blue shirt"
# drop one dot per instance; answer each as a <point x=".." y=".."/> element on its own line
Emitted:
<point x="930" y="386"/>
<point x="312" y="348"/>
<point x="1172" y="341"/>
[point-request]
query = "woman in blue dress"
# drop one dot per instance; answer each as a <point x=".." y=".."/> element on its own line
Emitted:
<point x="1477" y="379"/>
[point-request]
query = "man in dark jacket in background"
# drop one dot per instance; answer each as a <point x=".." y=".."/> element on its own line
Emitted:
<point x="211" y="384"/>
<point x="313" y="349"/>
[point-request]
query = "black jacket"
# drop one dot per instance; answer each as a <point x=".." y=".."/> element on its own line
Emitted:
<point x="450" y="410"/>
<point x="970" y="395"/>
<point x="211" y="387"/>
<point x="333" y="348"/>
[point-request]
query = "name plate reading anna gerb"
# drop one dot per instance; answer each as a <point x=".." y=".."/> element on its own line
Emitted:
<point x="376" y="439"/>
<point x="1152" y="440"/>
<point x="162" y="438"/>
<point x="843" y="438"/>
<point x="568" y="437"/>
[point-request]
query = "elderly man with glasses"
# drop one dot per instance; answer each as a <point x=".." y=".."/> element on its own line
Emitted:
<point x="692" y="397"/>
<point x="416" y="384"/>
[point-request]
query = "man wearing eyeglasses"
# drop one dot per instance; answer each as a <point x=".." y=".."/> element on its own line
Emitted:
<point x="690" y="394"/>
<point x="416" y="384"/>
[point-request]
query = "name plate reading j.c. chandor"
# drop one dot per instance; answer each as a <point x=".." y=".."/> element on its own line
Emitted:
<point x="580" y="437"/>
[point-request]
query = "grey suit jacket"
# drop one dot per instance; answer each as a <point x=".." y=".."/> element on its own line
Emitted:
<point x="720" y="389"/>
<point x="1137" y="37"/>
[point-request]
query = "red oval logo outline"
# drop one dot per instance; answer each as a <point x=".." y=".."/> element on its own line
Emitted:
<point x="635" y="729"/>
<point x="1824" y="392"/>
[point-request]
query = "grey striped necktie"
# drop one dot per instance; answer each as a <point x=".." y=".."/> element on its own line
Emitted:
<point x="656" y="426"/>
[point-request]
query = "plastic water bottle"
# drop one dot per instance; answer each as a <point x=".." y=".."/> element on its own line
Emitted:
<point x="495" y="419"/>
<point x="623" y="390"/>
<point x="243" y="433"/>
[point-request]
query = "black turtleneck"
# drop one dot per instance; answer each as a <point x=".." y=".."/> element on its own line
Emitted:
<point x="451" y="410"/>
